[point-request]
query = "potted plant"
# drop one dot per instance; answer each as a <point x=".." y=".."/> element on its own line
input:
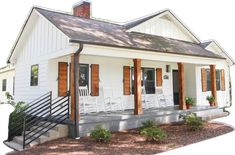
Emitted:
<point x="211" y="100"/>
<point x="189" y="102"/>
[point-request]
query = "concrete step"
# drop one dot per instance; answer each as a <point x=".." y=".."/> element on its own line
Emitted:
<point x="19" y="140"/>
<point x="14" y="145"/>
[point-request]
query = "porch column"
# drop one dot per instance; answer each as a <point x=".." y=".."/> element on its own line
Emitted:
<point x="182" y="104"/>
<point x="213" y="83"/>
<point x="137" y="87"/>
<point x="73" y="94"/>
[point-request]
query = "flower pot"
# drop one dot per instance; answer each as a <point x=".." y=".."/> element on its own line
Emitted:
<point x="212" y="104"/>
<point x="189" y="106"/>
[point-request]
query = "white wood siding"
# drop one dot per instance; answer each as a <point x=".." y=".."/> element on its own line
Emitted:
<point x="164" y="27"/>
<point x="41" y="41"/>
<point x="9" y="76"/>
<point x="111" y="75"/>
<point x="223" y="97"/>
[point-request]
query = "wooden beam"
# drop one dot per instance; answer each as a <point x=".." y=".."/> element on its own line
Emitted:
<point x="72" y="90"/>
<point x="137" y="87"/>
<point x="213" y="83"/>
<point x="182" y="104"/>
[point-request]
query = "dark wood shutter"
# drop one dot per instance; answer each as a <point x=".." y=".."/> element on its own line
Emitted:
<point x="159" y="77"/>
<point x="204" y="80"/>
<point x="62" y="78"/>
<point x="94" y="80"/>
<point x="222" y="80"/>
<point x="126" y="80"/>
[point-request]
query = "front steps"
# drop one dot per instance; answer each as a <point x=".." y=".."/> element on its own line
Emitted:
<point x="58" y="131"/>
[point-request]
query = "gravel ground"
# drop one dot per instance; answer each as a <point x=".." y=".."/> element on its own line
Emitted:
<point x="128" y="142"/>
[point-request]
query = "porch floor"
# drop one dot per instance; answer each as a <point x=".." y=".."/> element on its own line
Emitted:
<point x="122" y="120"/>
<point x="128" y="114"/>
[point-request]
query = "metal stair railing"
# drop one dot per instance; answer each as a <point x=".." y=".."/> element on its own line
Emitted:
<point x="30" y="108"/>
<point x="46" y="119"/>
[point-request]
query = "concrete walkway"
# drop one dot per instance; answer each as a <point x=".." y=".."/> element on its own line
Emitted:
<point x="219" y="145"/>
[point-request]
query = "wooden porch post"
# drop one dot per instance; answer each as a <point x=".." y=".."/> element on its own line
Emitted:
<point x="182" y="104"/>
<point x="137" y="87"/>
<point x="72" y="89"/>
<point x="213" y="83"/>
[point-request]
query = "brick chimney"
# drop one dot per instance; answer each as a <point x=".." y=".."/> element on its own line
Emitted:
<point x="82" y="9"/>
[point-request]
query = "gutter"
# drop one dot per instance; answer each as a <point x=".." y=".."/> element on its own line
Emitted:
<point x="76" y="96"/>
<point x="230" y="95"/>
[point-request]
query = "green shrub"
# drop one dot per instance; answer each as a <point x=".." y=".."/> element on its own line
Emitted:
<point x="16" y="121"/>
<point x="100" y="134"/>
<point x="147" y="124"/>
<point x="193" y="122"/>
<point x="154" y="134"/>
<point x="16" y="118"/>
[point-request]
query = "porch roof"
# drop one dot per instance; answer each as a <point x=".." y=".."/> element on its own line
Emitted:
<point x="99" y="32"/>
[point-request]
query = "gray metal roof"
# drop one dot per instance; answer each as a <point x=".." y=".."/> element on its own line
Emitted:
<point x="98" y="32"/>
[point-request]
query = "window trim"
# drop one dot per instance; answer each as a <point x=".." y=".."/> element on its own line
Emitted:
<point x="208" y="71"/>
<point x="88" y="73"/>
<point x="142" y="78"/>
<point x="4" y="88"/>
<point x="31" y="75"/>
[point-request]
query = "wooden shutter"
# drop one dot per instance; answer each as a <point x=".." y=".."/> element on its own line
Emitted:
<point x="222" y="80"/>
<point x="159" y="77"/>
<point x="204" y="80"/>
<point x="62" y="78"/>
<point x="126" y="80"/>
<point x="94" y="80"/>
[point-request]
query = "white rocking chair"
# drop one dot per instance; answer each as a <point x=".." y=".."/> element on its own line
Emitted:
<point x="147" y="100"/>
<point x="111" y="103"/>
<point x="163" y="100"/>
<point x="87" y="104"/>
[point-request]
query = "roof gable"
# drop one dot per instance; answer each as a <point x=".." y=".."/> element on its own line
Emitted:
<point x="163" y="23"/>
<point x="214" y="46"/>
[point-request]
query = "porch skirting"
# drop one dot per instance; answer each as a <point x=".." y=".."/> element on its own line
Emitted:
<point x="118" y="121"/>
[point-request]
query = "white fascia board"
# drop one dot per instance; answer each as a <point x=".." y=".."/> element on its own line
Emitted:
<point x="146" y="55"/>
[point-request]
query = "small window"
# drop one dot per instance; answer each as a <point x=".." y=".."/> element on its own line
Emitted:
<point x="34" y="75"/>
<point x="4" y="84"/>
<point x="84" y="75"/>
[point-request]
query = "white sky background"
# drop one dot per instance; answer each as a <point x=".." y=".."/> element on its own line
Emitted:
<point x="208" y="19"/>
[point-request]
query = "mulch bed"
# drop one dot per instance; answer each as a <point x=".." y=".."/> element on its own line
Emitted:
<point x="129" y="142"/>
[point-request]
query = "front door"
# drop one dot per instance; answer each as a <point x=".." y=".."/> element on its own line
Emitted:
<point x="175" y="87"/>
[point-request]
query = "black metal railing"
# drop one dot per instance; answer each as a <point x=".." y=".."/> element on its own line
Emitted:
<point x="45" y="117"/>
<point x="17" y="118"/>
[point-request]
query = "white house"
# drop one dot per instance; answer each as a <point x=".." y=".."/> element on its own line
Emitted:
<point x="7" y="79"/>
<point x="127" y="61"/>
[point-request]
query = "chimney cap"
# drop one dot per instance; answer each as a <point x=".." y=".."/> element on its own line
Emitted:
<point x="81" y="2"/>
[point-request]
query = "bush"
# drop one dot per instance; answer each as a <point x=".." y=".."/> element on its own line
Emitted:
<point x="16" y="118"/>
<point x="154" y="134"/>
<point x="16" y="121"/>
<point x="193" y="122"/>
<point x="148" y="124"/>
<point x="100" y="134"/>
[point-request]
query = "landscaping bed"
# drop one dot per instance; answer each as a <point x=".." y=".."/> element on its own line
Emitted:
<point x="130" y="142"/>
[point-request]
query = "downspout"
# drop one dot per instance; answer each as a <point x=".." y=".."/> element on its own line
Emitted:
<point x="76" y="78"/>
<point x="230" y="95"/>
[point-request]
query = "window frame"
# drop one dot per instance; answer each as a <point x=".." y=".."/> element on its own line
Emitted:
<point x="208" y="87"/>
<point x="88" y="73"/>
<point x="142" y="78"/>
<point x="31" y="75"/>
<point x="4" y="85"/>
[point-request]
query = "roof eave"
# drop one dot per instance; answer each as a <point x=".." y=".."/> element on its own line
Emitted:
<point x="141" y="49"/>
